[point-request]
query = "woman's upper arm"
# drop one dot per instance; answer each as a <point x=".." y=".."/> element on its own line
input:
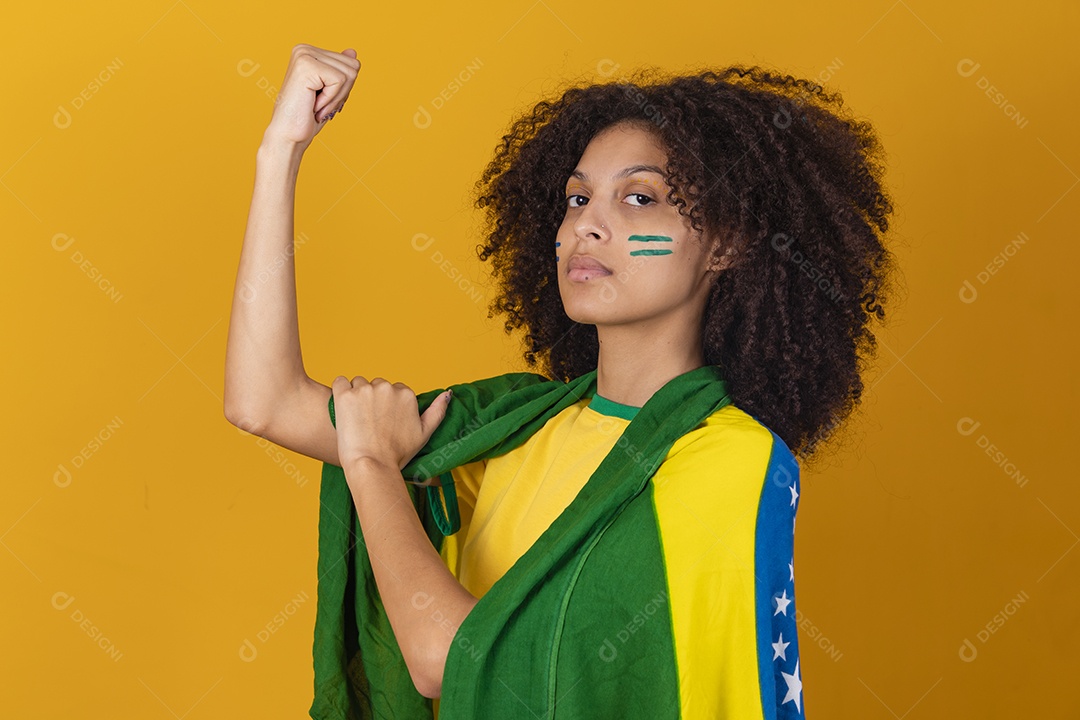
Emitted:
<point x="301" y="422"/>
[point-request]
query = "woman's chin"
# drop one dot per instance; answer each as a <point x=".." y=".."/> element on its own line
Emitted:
<point x="589" y="313"/>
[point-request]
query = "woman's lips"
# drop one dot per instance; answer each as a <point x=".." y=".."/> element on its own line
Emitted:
<point x="583" y="267"/>
<point x="583" y="274"/>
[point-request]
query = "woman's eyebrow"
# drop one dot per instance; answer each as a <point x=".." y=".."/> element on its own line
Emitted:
<point x="622" y="173"/>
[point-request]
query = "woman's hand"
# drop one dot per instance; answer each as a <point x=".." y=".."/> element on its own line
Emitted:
<point x="317" y="84"/>
<point x="381" y="421"/>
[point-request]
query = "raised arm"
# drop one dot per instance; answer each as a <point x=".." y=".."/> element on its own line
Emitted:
<point x="267" y="390"/>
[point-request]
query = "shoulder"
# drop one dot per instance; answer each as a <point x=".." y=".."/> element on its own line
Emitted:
<point x="732" y="432"/>
<point x="731" y="453"/>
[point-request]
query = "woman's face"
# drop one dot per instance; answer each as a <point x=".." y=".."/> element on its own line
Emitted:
<point x="617" y="216"/>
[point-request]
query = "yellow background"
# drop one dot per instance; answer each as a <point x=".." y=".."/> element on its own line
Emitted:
<point x="181" y="538"/>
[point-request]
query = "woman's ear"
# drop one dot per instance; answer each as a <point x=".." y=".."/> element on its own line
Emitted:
<point x="719" y="262"/>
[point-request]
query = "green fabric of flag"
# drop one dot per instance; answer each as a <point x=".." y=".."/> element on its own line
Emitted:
<point x="536" y="645"/>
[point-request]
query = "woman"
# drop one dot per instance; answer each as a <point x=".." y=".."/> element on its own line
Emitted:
<point x="643" y="233"/>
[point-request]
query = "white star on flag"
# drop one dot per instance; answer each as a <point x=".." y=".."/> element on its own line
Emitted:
<point x="794" y="688"/>
<point x="781" y="603"/>
<point x="779" y="647"/>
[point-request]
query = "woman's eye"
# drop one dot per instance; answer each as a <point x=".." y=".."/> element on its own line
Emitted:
<point x="648" y="199"/>
<point x="570" y="200"/>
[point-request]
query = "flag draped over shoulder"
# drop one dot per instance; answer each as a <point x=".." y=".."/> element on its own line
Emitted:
<point x="531" y="646"/>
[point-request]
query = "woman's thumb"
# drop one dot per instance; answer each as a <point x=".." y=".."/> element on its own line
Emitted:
<point x="433" y="416"/>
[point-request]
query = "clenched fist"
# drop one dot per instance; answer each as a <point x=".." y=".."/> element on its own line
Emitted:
<point x="317" y="84"/>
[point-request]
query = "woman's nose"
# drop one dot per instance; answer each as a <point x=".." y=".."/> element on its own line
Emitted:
<point x="592" y="220"/>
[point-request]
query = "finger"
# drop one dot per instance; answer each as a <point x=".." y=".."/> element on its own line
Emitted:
<point x="358" y="381"/>
<point x="351" y="54"/>
<point x="344" y="63"/>
<point x="343" y="70"/>
<point x="332" y="89"/>
<point x="345" y="59"/>
<point x="434" y="415"/>
<point x="335" y="98"/>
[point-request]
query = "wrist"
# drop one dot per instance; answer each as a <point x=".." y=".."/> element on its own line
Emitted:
<point x="369" y="467"/>
<point x="275" y="149"/>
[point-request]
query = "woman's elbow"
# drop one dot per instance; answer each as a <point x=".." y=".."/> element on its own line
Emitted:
<point x="427" y="675"/>
<point x="427" y="684"/>
<point x="431" y="690"/>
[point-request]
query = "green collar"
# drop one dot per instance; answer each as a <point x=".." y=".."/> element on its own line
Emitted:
<point x="609" y="407"/>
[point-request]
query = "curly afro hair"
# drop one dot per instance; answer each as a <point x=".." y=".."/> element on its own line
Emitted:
<point x="776" y="169"/>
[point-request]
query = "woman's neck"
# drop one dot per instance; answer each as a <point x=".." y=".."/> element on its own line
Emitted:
<point x="635" y="362"/>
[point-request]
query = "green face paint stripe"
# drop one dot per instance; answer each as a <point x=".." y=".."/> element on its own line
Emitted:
<point x="649" y="238"/>
<point x="650" y="252"/>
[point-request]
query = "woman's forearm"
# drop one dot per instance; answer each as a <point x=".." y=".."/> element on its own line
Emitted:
<point x="262" y="358"/>
<point x="424" y="602"/>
